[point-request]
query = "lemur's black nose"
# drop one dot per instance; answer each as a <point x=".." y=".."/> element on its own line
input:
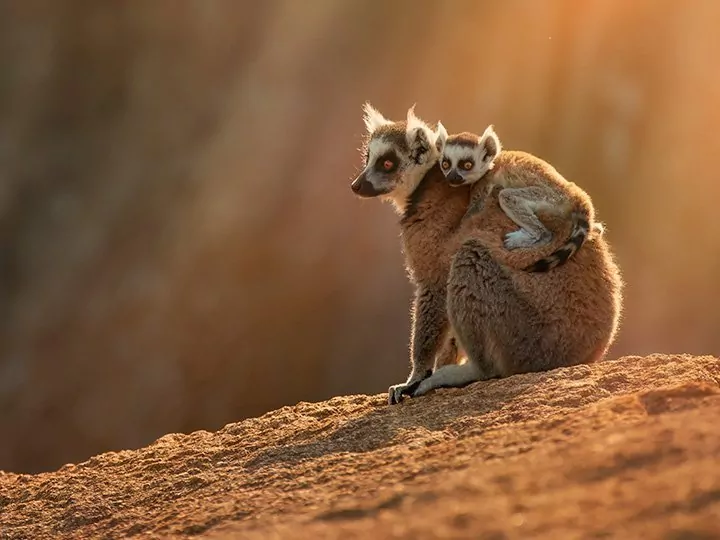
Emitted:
<point x="454" y="177"/>
<point x="356" y="186"/>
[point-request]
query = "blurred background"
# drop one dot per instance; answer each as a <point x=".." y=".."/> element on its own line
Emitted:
<point x="179" y="245"/>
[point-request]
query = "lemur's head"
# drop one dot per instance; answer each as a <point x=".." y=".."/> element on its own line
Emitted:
<point x="466" y="157"/>
<point x="397" y="156"/>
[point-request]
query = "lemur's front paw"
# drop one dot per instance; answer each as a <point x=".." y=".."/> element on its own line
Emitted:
<point x="397" y="391"/>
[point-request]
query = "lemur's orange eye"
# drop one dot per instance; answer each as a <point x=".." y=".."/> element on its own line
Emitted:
<point x="388" y="164"/>
<point x="468" y="165"/>
<point x="445" y="164"/>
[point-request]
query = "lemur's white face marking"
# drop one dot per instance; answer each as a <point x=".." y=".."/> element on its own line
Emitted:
<point x="467" y="157"/>
<point x="397" y="156"/>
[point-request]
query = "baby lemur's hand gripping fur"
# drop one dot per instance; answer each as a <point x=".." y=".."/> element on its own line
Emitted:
<point x="532" y="189"/>
<point x="468" y="286"/>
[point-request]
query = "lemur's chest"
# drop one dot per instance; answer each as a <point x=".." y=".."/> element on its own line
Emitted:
<point x="428" y="238"/>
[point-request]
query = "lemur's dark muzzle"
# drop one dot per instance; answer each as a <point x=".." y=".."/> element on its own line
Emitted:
<point x="454" y="178"/>
<point x="362" y="187"/>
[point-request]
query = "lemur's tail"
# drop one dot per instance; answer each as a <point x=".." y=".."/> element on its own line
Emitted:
<point x="578" y="235"/>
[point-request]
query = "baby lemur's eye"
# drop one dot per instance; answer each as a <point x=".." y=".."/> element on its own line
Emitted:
<point x="445" y="164"/>
<point x="388" y="164"/>
<point x="467" y="164"/>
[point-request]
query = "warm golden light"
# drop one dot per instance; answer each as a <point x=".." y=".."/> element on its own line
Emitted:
<point x="180" y="244"/>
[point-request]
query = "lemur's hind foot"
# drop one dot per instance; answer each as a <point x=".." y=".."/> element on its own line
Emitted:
<point x="451" y="376"/>
<point x="523" y="239"/>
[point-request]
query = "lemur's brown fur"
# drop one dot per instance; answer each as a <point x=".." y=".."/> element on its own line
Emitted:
<point x="438" y="228"/>
<point x="470" y="288"/>
<point x="575" y="308"/>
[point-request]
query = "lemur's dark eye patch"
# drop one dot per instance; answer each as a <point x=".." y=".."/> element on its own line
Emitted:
<point x="387" y="163"/>
<point x="466" y="164"/>
<point x="445" y="164"/>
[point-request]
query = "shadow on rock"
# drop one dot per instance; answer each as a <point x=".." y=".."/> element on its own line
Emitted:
<point x="446" y="410"/>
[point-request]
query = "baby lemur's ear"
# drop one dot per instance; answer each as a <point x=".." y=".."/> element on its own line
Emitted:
<point x="442" y="136"/>
<point x="419" y="137"/>
<point x="490" y="142"/>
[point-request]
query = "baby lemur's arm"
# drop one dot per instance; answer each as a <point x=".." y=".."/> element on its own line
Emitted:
<point x="428" y="333"/>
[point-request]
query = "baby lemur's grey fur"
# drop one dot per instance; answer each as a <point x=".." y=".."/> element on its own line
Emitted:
<point x="467" y="285"/>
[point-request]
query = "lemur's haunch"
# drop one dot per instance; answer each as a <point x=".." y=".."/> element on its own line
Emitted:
<point x="471" y="293"/>
<point x="530" y="185"/>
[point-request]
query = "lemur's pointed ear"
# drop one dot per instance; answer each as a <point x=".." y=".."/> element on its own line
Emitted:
<point x="491" y="143"/>
<point x="372" y="118"/>
<point x="413" y="122"/>
<point x="442" y="136"/>
<point x="419" y="137"/>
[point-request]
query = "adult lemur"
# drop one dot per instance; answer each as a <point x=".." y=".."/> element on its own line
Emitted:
<point x="468" y="285"/>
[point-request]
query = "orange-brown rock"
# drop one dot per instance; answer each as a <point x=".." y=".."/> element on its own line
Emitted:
<point x="627" y="448"/>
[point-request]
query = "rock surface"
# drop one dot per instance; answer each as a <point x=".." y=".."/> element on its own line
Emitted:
<point x="625" y="448"/>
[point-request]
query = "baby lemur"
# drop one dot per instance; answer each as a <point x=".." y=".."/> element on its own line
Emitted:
<point x="506" y="320"/>
<point x="532" y="188"/>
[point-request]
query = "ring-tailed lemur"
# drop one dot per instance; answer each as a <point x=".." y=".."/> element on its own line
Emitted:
<point x="504" y="319"/>
<point x="530" y="186"/>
